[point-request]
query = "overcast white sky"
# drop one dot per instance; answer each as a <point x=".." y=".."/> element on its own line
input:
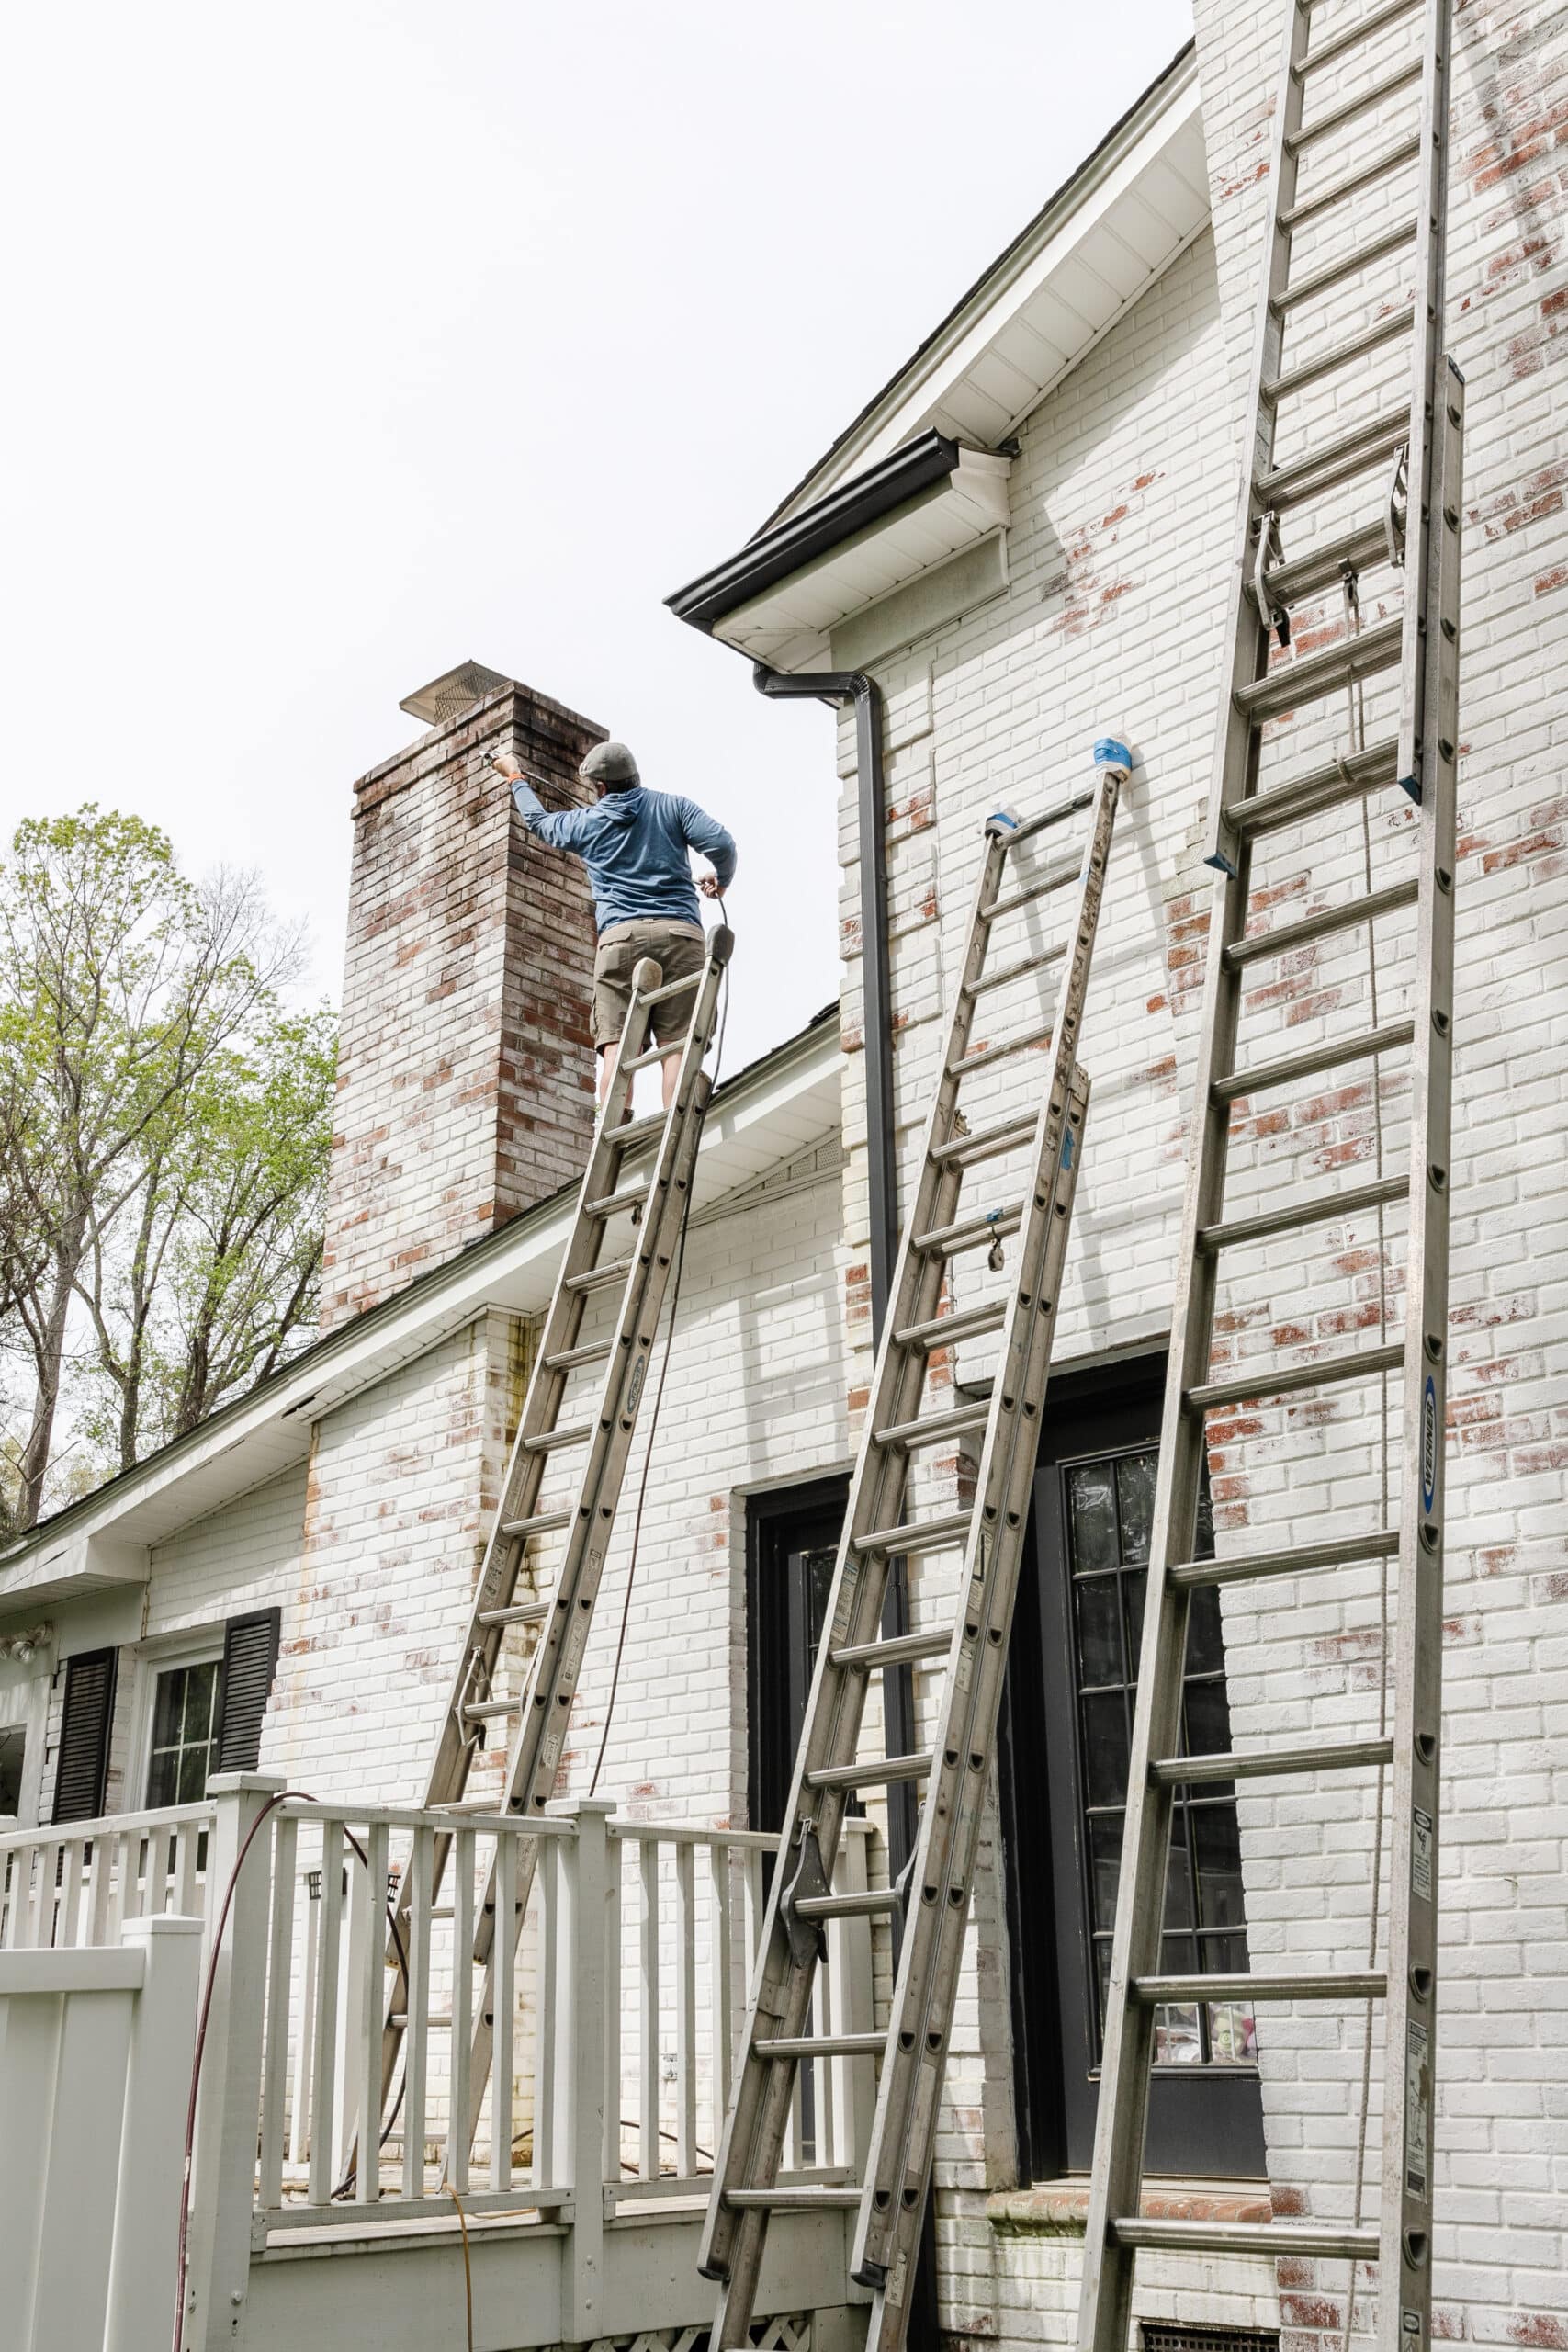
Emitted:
<point x="353" y="339"/>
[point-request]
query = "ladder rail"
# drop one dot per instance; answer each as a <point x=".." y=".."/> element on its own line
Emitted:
<point x="732" y="2238"/>
<point x="1423" y="765"/>
<point x="761" y="2097"/>
<point x="666" y="1198"/>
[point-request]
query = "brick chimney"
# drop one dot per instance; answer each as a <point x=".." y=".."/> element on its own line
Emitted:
<point x="466" y="1066"/>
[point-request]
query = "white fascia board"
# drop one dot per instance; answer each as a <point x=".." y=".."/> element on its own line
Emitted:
<point x="1150" y="177"/>
<point x="107" y="1545"/>
<point x="788" y="625"/>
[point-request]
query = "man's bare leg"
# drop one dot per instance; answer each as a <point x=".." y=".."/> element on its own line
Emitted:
<point x="669" y="1077"/>
<point x="608" y="1068"/>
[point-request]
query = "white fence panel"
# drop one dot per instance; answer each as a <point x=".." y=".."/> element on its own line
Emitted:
<point x="94" y="2069"/>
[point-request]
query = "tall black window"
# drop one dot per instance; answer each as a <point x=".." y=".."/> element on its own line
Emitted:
<point x="1072" y="1686"/>
<point x="792" y="1542"/>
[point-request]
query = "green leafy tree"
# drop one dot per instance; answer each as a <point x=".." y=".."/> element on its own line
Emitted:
<point x="123" y="985"/>
<point x="216" y="1277"/>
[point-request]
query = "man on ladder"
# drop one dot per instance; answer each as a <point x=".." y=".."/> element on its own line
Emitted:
<point x="634" y="846"/>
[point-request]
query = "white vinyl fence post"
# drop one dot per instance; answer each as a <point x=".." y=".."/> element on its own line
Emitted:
<point x="229" y="2105"/>
<point x="151" y="2140"/>
<point x="579" y="2070"/>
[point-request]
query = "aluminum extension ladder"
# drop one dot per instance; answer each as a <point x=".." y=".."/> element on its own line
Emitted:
<point x="1411" y="518"/>
<point x="559" y="1622"/>
<point x="988" y="1536"/>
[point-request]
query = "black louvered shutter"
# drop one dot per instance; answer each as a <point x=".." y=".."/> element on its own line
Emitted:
<point x="250" y="1661"/>
<point x="87" y="1719"/>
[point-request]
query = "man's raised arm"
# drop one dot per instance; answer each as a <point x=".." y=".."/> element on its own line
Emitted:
<point x="708" y="838"/>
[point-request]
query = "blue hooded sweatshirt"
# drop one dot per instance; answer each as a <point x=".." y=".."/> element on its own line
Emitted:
<point x="634" y="845"/>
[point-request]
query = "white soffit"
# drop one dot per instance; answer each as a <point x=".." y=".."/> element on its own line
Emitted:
<point x="1116" y="228"/>
<point x="787" y="626"/>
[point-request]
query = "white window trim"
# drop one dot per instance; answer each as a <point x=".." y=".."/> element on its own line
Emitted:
<point x="199" y="1646"/>
<point x="24" y="1706"/>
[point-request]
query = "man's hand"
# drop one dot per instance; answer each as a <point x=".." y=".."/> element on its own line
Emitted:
<point x="506" y="766"/>
<point x="709" y="885"/>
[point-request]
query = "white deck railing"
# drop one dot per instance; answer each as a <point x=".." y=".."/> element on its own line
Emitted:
<point x="616" y="2018"/>
<point x="77" y="1885"/>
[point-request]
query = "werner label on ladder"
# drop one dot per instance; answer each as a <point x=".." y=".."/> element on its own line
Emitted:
<point x="1025" y="1233"/>
<point x="657" y="1003"/>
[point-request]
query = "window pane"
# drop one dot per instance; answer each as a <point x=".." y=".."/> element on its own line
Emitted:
<point x="1105" y="1748"/>
<point x="1105" y="1863"/>
<point x="1205" y="1638"/>
<point x="1177" y="2039"/>
<point x="1233" y="2034"/>
<point x="168" y="1707"/>
<point x="1135" y="1505"/>
<point x="1134" y="1590"/>
<point x="1099" y="1631"/>
<point x="1178" y="1881"/>
<point x="1207" y="1719"/>
<point x="1216" y="1846"/>
<point x="162" y="1777"/>
<point x="1092" y="1515"/>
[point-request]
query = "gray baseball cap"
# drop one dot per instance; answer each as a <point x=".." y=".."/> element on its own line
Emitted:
<point x="609" y="763"/>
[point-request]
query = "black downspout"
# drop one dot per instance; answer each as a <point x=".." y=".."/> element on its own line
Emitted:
<point x="882" y="1187"/>
<point x="882" y="1183"/>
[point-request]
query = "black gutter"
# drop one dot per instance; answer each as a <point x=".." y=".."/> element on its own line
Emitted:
<point x="876" y="984"/>
<point x="908" y="474"/>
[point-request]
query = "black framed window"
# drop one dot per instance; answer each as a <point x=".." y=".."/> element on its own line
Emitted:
<point x="1071" y="1688"/>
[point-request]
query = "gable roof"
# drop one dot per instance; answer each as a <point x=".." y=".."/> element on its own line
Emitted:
<point x="770" y="1111"/>
<point x="1114" y="226"/>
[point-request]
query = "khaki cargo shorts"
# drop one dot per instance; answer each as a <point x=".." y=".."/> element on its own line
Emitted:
<point x="680" y="949"/>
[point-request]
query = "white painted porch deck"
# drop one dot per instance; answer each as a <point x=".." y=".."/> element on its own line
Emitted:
<point x="575" y="2216"/>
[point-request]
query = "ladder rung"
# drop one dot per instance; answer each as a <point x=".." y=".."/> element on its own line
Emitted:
<point x="1270" y="1763"/>
<point x="1263" y="1380"/>
<point x="1298" y="1214"/>
<point x="1019" y="971"/>
<point x="866" y="1905"/>
<point x="1334" y="272"/>
<point x="1315" y="790"/>
<point x="673" y="988"/>
<point x="521" y="1612"/>
<point x="935" y="1427"/>
<point x="947" y="1240"/>
<point x="899" y="1649"/>
<point x="657" y="1054"/>
<point x="822" y="2045"/>
<point x="615" y="1270"/>
<point x="1353" y="452"/>
<point x="1292" y="584"/>
<point x="1359" y="102"/>
<point x="1288" y="935"/>
<point x="1008" y="902"/>
<point x="1039" y="1035"/>
<point x="1346" y="1985"/>
<point x="920" y="1535"/>
<point x="943" y="1328"/>
<point x="484" y="1711"/>
<point x="1277" y="2240"/>
<point x="630" y="1196"/>
<point x="1339" y="355"/>
<point x="872" y="1773"/>
<point x="568" y="1359"/>
<point x="809" y="2195"/>
<point x="434" y="2016"/>
<point x="1299" y="1559"/>
<point x="1363" y="1044"/>
<point x="1056" y="815"/>
<point x="1308" y="207"/>
<point x="544" y="1522"/>
<point x="1353" y="34"/>
<point x="985" y="1143"/>
<point x="549" y="1441"/>
<point x="1322" y="673"/>
<point x="633" y="1133"/>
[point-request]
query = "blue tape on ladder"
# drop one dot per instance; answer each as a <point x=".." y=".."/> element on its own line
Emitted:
<point x="1110" y="753"/>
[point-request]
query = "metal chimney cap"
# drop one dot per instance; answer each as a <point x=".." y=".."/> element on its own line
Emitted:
<point x="453" y="693"/>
